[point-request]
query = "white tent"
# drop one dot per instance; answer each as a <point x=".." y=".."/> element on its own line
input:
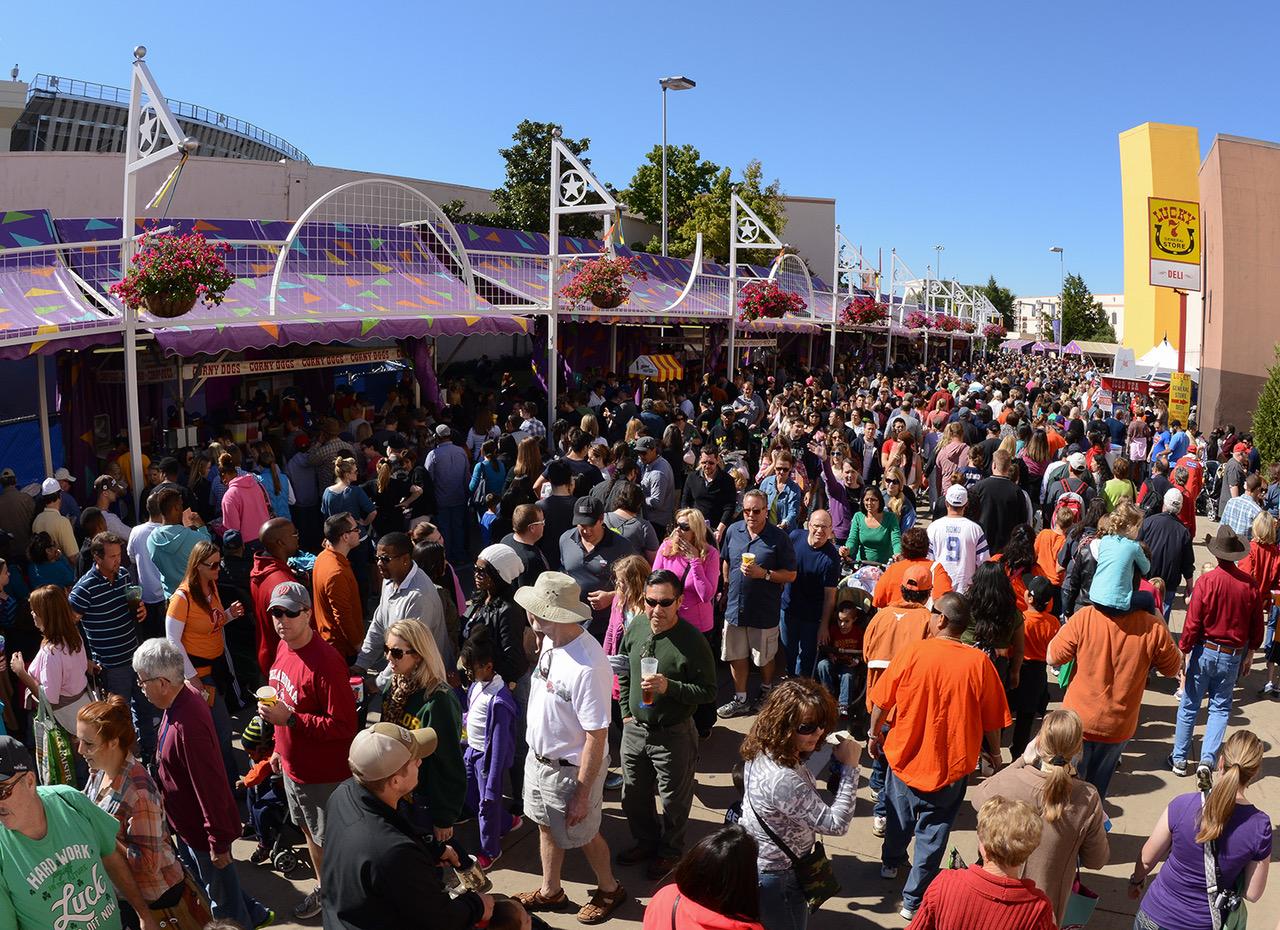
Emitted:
<point x="1161" y="361"/>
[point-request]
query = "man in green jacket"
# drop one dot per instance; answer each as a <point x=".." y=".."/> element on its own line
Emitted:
<point x="170" y="545"/>
<point x="659" y="739"/>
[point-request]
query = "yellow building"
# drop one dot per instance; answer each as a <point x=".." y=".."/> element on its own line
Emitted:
<point x="1156" y="160"/>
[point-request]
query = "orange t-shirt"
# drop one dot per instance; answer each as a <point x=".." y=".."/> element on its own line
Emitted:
<point x="889" y="587"/>
<point x="1056" y="440"/>
<point x="1018" y="582"/>
<point x="1048" y="544"/>
<point x="1038" y="626"/>
<point x="1113" y="657"/>
<point x="942" y="696"/>
<point x="891" y="630"/>
<point x="202" y="635"/>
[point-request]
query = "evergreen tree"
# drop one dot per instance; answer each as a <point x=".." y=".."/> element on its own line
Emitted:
<point x="1082" y="316"/>
<point x="1266" y="415"/>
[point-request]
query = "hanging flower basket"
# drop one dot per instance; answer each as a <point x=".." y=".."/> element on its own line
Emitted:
<point x="169" y="273"/>
<point x="917" y="319"/>
<point x="944" y="323"/>
<point x="994" y="331"/>
<point x="765" y="300"/>
<point x="969" y="326"/>
<point x="602" y="282"/>
<point x="864" y="311"/>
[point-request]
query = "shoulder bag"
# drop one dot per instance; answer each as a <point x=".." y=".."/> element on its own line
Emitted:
<point x="813" y="870"/>
<point x="1227" y="908"/>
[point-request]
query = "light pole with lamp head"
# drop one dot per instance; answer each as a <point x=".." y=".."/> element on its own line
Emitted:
<point x="676" y="82"/>
<point x="1062" y="284"/>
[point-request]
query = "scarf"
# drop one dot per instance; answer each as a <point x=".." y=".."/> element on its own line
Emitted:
<point x="397" y="696"/>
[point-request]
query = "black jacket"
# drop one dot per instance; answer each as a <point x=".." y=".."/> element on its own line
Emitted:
<point x="717" y="501"/>
<point x="998" y="505"/>
<point x="1171" y="555"/>
<point x="504" y="623"/>
<point x="379" y="873"/>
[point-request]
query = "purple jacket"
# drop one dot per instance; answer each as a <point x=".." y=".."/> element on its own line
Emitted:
<point x="837" y="502"/>
<point x="499" y="743"/>
<point x="192" y="780"/>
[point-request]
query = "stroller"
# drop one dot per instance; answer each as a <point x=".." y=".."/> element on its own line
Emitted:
<point x="856" y="589"/>
<point x="268" y="809"/>
<point x="1207" y="502"/>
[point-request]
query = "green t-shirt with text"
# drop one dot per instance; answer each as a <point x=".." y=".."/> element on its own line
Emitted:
<point x="59" y="882"/>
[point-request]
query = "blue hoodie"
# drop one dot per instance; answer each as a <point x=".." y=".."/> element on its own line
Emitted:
<point x="170" y="547"/>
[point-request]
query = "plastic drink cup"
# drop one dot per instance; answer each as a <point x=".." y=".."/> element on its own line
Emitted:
<point x="357" y="688"/>
<point x="266" y="695"/>
<point x="648" y="668"/>
<point x="133" y="594"/>
<point x="748" y="559"/>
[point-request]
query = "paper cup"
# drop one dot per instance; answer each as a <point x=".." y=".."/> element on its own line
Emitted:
<point x="748" y="558"/>
<point x="266" y="695"/>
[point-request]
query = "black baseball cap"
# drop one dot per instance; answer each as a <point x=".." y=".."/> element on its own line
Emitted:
<point x="14" y="758"/>
<point x="588" y="511"/>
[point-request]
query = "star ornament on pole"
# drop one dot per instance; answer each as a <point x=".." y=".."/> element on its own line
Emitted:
<point x="148" y="130"/>
<point x="573" y="188"/>
<point x="748" y="231"/>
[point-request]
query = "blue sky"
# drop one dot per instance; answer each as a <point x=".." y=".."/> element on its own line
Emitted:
<point x="990" y="128"/>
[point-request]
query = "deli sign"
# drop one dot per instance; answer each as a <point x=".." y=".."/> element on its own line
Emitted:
<point x="1175" y="236"/>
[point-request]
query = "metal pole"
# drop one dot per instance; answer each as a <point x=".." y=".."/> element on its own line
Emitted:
<point x="46" y="443"/>
<point x="835" y="297"/>
<point x="132" y="415"/>
<point x="664" y="171"/>
<point x="1182" y="333"/>
<point x="182" y="400"/>
<point x="888" y="335"/>
<point x="733" y="282"/>
<point x="613" y="349"/>
<point x="553" y="248"/>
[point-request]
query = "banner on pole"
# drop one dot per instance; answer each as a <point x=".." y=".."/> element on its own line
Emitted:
<point x="1180" y="397"/>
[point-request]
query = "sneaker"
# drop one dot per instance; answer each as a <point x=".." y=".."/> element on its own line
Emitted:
<point x="1177" y="766"/>
<point x="875" y="795"/>
<point x="260" y="855"/>
<point x="888" y="871"/>
<point x="516" y="823"/>
<point x="734" y="708"/>
<point x="613" y="781"/>
<point x="878" y="824"/>
<point x="485" y="863"/>
<point x="309" y="906"/>
<point x="266" y="921"/>
<point x="906" y="913"/>
<point x="1270" y="689"/>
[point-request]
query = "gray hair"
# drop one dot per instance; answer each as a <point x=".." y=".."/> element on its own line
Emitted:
<point x="159" y="658"/>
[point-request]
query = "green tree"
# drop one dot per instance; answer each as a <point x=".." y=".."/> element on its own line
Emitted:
<point x="709" y="215"/>
<point x="1003" y="300"/>
<point x="1266" y="415"/>
<point x="688" y="175"/>
<point x="523" y="200"/>
<point x="1082" y="316"/>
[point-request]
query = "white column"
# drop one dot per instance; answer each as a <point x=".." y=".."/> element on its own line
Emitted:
<point x="46" y="442"/>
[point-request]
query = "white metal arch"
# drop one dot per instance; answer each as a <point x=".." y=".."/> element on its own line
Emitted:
<point x="434" y="217"/>
<point x="796" y="260"/>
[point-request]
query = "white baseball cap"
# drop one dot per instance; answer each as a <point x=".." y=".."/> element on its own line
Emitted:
<point x="50" y="486"/>
<point x="957" y="496"/>
<point x="1076" y="461"/>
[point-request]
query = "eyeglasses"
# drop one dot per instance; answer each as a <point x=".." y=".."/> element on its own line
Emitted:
<point x="783" y="471"/>
<point x="893" y="481"/>
<point x="753" y="510"/>
<point x="278" y="612"/>
<point x="212" y="564"/>
<point x="683" y="527"/>
<point x="384" y="559"/>
<point x="807" y="729"/>
<point x="659" y="601"/>
<point x="538" y="523"/>
<point x="9" y="787"/>
<point x="396" y="652"/>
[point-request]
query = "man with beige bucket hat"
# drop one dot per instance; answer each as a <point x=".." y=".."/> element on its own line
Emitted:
<point x="568" y="735"/>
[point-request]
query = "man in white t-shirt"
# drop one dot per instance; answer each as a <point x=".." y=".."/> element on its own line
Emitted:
<point x="956" y="542"/>
<point x="568" y="733"/>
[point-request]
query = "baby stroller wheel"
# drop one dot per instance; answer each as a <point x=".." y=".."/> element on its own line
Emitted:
<point x="285" y="861"/>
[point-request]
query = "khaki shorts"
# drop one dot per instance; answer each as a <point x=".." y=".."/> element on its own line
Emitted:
<point x="547" y="791"/>
<point x="306" y="805"/>
<point x="737" y="641"/>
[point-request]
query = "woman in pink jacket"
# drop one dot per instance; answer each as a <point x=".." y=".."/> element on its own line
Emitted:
<point x="244" y="505"/>
<point x="690" y="556"/>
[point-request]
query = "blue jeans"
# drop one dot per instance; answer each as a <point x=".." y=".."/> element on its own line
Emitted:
<point x="928" y="817"/>
<point x="782" y="903"/>
<point x="1099" y="763"/>
<point x="1269" y="636"/>
<point x="879" y="779"/>
<point x="223" y="888"/>
<point x="836" y="677"/>
<point x="1213" y="674"/>
<point x="800" y="639"/>
<point x="123" y="680"/>
<point x="452" y="522"/>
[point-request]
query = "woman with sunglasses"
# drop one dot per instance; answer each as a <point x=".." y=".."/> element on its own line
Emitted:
<point x="494" y="613"/>
<point x="418" y="695"/>
<point x="194" y="622"/>
<point x="689" y="555"/>
<point x="900" y="501"/>
<point x="874" y="534"/>
<point x="781" y="808"/>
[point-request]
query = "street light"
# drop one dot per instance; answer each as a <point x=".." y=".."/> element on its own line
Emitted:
<point x="1062" y="283"/>
<point x="676" y="82"/>
<point x="938" y="249"/>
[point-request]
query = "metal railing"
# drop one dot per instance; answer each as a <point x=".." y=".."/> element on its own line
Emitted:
<point x="46" y="84"/>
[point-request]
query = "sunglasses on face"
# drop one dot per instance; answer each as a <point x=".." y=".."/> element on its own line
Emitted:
<point x="9" y="787"/>
<point x="396" y="652"/>
<point x="384" y="559"/>
<point x="893" y="481"/>
<point x="807" y="729"/>
<point x="683" y="527"/>
<point x="753" y="510"/>
<point x="659" y="601"/>
<point x="216" y="563"/>
<point x="278" y="612"/>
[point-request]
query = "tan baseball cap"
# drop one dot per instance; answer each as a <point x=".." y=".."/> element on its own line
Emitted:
<point x="384" y="748"/>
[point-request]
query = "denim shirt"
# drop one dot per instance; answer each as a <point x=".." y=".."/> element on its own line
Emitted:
<point x="784" y="503"/>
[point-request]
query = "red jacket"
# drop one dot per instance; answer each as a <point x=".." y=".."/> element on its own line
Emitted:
<point x="266" y="574"/>
<point x="191" y="777"/>
<point x="689" y="915"/>
<point x="974" y="899"/>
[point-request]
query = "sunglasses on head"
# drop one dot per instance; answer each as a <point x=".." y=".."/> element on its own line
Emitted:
<point x="278" y="612"/>
<point x="396" y="652"/>
<point x="807" y="729"/>
<point x="659" y="601"/>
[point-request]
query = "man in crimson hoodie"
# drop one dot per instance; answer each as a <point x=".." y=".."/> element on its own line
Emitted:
<point x="270" y="569"/>
<point x="314" y="714"/>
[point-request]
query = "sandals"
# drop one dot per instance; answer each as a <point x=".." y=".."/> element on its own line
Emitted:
<point x="536" y="901"/>
<point x="601" y="905"/>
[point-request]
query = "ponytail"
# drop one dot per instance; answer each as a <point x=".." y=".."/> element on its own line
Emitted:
<point x="1241" y="759"/>
<point x="1061" y="738"/>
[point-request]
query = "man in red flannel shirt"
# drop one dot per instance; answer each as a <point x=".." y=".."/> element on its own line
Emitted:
<point x="1223" y="628"/>
<point x="314" y="714"/>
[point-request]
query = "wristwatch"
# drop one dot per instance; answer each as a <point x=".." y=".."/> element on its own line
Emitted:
<point x="292" y="717"/>
<point x="768" y="574"/>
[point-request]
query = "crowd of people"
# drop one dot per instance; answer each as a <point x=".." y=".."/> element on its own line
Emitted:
<point x="959" y="577"/>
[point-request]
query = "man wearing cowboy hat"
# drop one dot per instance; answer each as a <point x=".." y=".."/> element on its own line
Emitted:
<point x="568" y="735"/>
<point x="1223" y="627"/>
